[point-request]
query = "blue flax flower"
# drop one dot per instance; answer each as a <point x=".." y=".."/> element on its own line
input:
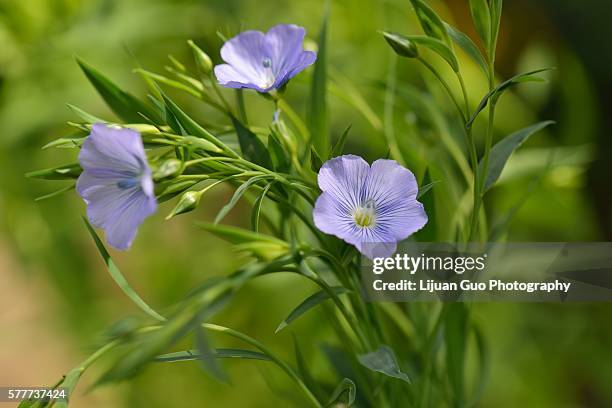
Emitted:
<point x="261" y="61"/>
<point x="116" y="183"/>
<point x="371" y="208"/>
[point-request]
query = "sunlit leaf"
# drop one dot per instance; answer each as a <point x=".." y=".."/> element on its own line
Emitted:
<point x="469" y="47"/>
<point x="501" y="152"/>
<point x="431" y="23"/>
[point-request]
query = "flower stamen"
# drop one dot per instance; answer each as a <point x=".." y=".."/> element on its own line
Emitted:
<point x="365" y="215"/>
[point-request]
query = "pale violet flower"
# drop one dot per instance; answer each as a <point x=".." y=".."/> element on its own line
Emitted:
<point x="116" y="183"/>
<point x="370" y="207"/>
<point x="261" y="61"/>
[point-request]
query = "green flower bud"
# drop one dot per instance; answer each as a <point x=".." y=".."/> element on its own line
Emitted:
<point x="169" y="168"/>
<point x="401" y="45"/>
<point x="203" y="61"/>
<point x="188" y="202"/>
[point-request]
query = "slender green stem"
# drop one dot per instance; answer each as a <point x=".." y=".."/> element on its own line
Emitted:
<point x="389" y="129"/>
<point x="294" y="118"/>
<point x="241" y="107"/>
<point x="284" y="366"/>
<point x="445" y="85"/>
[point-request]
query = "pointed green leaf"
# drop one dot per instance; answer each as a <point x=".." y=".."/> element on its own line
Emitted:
<point x="315" y="160"/>
<point x="317" y="118"/>
<point x="338" y="148"/>
<point x="118" y="277"/>
<point x="308" y="304"/>
<point x="501" y="152"/>
<point x="481" y="17"/>
<point x="496" y="12"/>
<point x="346" y="387"/>
<point x="252" y="148"/>
<point x="123" y="104"/>
<point x="55" y="193"/>
<point x="496" y="93"/>
<point x="431" y="23"/>
<point x="87" y="117"/>
<point x="256" y="211"/>
<point x="191" y="355"/>
<point x="469" y="47"/>
<point x="64" y="172"/>
<point x="383" y="361"/>
<point x="167" y="81"/>
<point x="237" y="195"/>
<point x="424" y="189"/>
<point x="237" y="235"/>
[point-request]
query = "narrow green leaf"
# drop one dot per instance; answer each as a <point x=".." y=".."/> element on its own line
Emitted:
<point x="496" y="93"/>
<point x="317" y="118"/>
<point x="191" y="355"/>
<point x="496" y="12"/>
<point x="189" y="125"/>
<point x="383" y="361"/>
<point x="55" y="193"/>
<point x="339" y="146"/>
<point x="308" y="304"/>
<point x="252" y="148"/>
<point x="436" y="46"/>
<point x="501" y="152"/>
<point x="64" y="172"/>
<point x="302" y="368"/>
<point x="65" y="143"/>
<point x="346" y="387"/>
<point x="237" y="235"/>
<point x="469" y="47"/>
<point x="256" y="211"/>
<point x="431" y="23"/>
<point x="424" y="189"/>
<point x="87" y="117"/>
<point x="207" y="357"/>
<point x="237" y="195"/>
<point x="482" y="20"/>
<point x="167" y="81"/>
<point x="118" y="277"/>
<point x="123" y="104"/>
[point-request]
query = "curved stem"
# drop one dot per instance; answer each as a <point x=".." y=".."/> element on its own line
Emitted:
<point x="444" y="84"/>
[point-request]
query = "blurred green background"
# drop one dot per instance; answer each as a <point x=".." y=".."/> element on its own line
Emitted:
<point x="57" y="298"/>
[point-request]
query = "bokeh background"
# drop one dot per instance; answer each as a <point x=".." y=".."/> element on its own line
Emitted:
<point x="56" y="299"/>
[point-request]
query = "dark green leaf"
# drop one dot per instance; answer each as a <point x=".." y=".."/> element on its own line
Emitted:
<point x="431" y="23"/>
<point x="346" y="387"/>
<point x="237" y="195"/>
<point x="501" y="88"/>
<point x="191" y="355"/>
<point x="501" y="152"/>
<point x="308" y="304"/>
<point x="280" y="158"/>
<point x="383" y="361"/>
<point x="482" y="20"/>
<point x="122" y="103"/>
<point x="469" y="47"/>
<point x="315" y="160"/>
<point x="317" y="118"/>
<point x="338" y="148"/>
<point x="252" y="148"/>
<point x="64" y="172"/>
<point x="424" y="189"/>
<point x="118" y="277"/>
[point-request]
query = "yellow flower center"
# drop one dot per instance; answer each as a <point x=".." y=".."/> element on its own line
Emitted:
<point x="365" y="216"/>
